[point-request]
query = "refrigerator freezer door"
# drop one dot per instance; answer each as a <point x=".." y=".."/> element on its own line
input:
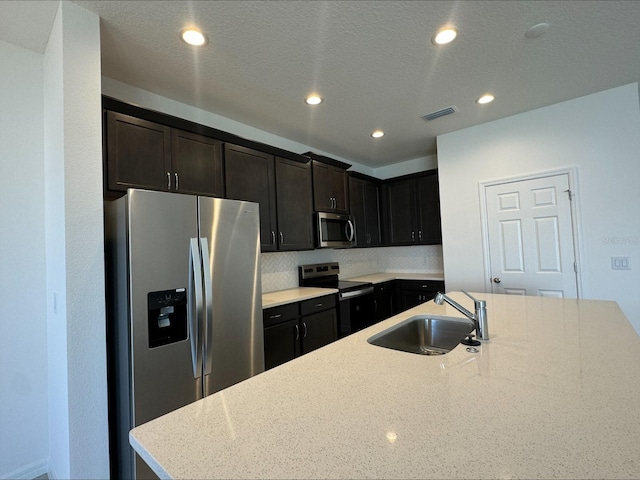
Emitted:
<point x="160" y="228"/>
<point x="235" y="347"/>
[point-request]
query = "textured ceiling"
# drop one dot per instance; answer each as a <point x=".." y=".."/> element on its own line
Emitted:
<point x="372" y="62"/>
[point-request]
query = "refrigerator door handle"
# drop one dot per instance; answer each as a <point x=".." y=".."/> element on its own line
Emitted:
<point x="208" y="293"/>
<point x="195" y="309"/>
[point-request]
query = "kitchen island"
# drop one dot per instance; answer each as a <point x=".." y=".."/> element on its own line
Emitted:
<point x="555" y="393"/>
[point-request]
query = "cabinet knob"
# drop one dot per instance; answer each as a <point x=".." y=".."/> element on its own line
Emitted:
<point x="413" y="236"/>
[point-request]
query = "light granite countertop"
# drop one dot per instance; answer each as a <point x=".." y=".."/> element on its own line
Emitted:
<point x="282" y="297"/>
<point x="388" y="276"/>
<point x="553" y="394"/>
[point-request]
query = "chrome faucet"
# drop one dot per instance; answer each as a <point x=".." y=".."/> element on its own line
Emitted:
<point x="479" y="318"/>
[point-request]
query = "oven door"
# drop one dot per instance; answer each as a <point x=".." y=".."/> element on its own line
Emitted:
<point x="335" y="231"/>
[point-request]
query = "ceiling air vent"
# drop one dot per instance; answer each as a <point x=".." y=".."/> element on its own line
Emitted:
<point x="440" y="113"/>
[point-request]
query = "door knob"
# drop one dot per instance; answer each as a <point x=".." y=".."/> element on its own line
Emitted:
<point x="496" y="280"/>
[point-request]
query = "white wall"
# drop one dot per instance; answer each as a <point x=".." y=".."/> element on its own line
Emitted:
<point x="600" y="135"/>
<point x="23" y="327"/>
<point x="404" y="168"/>
<point x="78" y="430"/>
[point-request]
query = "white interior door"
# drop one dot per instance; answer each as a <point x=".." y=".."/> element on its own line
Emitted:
<point x="530" y="237"/>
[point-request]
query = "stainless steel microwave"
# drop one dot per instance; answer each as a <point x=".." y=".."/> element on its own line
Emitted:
<point x="335" y="230"/>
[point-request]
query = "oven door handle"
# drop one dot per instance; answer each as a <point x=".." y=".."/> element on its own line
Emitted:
<point x="356" y="293"/>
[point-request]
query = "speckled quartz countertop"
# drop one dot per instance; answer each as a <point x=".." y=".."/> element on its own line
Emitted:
<point x="282" y="297"/>
<point x="555" y="393"/>
<point x="387" y="276"/>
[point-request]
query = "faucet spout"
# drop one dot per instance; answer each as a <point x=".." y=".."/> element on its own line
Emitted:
<point x="479" y="318"/>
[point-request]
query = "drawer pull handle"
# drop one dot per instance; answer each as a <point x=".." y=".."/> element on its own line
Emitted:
<point x="319" y="305"/>
<point x="275" y="316"/>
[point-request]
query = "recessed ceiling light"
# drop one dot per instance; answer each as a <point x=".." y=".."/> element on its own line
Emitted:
<point x="486" y="98"/>
<point x="193" y="36"/>
<point x="377" y="134"/>
<point x="313" y="100"/>
<point x="537" y="30"/>
<point x="444" y="35"/>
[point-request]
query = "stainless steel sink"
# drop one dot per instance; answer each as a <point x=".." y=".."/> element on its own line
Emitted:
<point x="424" y="334"/>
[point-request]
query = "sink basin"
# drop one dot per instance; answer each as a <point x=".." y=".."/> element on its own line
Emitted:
<point x="424" y="334"/>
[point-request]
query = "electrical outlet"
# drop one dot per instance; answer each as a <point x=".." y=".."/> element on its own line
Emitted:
<point x="620" y="263"/>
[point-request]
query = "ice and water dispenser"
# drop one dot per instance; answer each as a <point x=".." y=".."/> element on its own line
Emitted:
<point x="167" y="316"/>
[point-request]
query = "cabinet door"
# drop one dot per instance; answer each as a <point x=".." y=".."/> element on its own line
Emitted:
<point x="250" y="176"/>
<point x="281" y="343"/>
<point x="138" y="153"/>
<point x="402" y="213"/>
<point x="384" y="300"/>
<point x="319" y="330"/>
<point x="357" y="208"/>
<point x="429" y="229"/>
<point x="410" y="298"/>
<point x="322" y="187"/>
<point x="294" y="205"/>
<point x="340" y="187"/>
<point x="330" y="188"/>
<point x="197" y="164"/>
<point x="372" y="214"/>
<point x="363" y="206"/>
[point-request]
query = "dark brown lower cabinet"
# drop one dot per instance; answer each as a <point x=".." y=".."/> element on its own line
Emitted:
<point x="415" y="292"/>
<point x="297" y="328"/>
<point x="384" y="300"/>
<point x="281" y="343"/>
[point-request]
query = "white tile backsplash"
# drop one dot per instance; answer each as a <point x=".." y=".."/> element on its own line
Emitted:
<point x="280" y="270"/>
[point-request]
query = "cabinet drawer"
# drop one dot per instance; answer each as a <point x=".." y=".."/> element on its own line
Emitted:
<point x="420" y="285"/>
<point x="275" y="315"/>
<point x="319" y="304"/>
<point x="385" y="287"/>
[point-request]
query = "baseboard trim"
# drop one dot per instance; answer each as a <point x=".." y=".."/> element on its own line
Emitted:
<point x="28" y="472"/>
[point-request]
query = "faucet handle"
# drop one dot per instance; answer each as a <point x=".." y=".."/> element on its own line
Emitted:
<point x="469" y="295"/>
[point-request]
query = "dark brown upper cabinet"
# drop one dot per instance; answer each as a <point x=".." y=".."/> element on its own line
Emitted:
<point x="197" y="164"/>
<point x="145" y="154"/>
<point x="138" y="153"/>
<point x="330" y="188"/>
<point x="414" y="210"/>
<point x="281" y="187"/>
<point x="250" y="175"/>
<point x="295" y="206"/>
<point x="364" y="208"/>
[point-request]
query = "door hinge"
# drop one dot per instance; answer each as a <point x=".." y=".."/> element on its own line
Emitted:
<point x="570" y="193"/>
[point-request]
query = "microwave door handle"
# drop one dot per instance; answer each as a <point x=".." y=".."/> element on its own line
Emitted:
<point x="350" y="230"/>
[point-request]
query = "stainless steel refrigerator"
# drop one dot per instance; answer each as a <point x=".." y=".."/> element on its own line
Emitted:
<point x="184" y="307"/>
